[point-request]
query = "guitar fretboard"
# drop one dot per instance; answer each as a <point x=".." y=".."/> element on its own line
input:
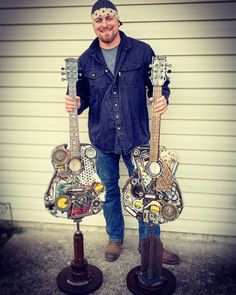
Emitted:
<point x="155" y="127"/>
<point x="74" y="126"/>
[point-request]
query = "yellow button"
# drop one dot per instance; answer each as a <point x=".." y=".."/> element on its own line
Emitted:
<point x="99" y="187"/>
<point x="155" y="208"/>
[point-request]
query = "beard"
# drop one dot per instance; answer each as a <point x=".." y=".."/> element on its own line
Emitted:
<point x="108" y="36"/>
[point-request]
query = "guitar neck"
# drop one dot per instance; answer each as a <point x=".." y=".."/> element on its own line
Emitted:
<point x="155" y="127"/>
<point x="74" y="126"/>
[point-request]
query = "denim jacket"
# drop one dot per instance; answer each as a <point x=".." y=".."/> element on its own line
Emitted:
<point x="118" y="115"/>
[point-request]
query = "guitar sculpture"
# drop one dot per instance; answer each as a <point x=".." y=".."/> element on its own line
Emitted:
<point x="152" y="193"/>
<point x="75" y="190"/>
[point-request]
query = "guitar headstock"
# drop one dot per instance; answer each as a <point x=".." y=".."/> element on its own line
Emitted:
<point x="70" y="70"/>
<point x="160" y="70"/>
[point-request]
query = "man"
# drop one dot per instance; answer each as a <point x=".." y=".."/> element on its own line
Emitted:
<point x="113" y="82"/>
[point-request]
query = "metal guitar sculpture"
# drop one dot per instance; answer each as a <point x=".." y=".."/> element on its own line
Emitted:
<point x="152" y="193"/>
<point x="75" y="189"/>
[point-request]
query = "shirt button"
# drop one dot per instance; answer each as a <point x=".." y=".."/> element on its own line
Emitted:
<point x="117" y="117"/>
<point x="115" y="104"/>
<point x="118" y="128"/>
<point x="106" y="71"/>
<point x="114" y="92"/>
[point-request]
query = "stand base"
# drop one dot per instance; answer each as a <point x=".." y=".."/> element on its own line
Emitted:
<point x="66" y="285"/>
<point x="136" y="287"/>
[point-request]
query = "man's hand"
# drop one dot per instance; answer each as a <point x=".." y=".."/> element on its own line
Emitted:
<point x="71" y="104"/>
<point x="161" y="105"/>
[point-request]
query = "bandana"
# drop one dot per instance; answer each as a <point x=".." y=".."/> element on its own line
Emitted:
<point x="104" y="8"/>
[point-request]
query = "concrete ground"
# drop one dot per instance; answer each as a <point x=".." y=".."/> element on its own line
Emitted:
<point x="30" y="261"/>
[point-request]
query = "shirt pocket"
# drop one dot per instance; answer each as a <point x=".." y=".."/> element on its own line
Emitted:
<point x="131" y="73"/>
<point x="96" y="74"/>
<point x="97" y="81"/>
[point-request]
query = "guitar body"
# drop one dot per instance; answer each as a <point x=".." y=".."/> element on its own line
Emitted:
<point x="75" y="190"/>
<point x="74" y="194"/>
<point x="152" y="193"/>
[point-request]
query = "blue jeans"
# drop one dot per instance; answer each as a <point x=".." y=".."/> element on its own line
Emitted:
<point x="109" y="173"/>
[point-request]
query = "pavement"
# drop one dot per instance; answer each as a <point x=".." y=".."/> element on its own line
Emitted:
<point x="32" y="258"/>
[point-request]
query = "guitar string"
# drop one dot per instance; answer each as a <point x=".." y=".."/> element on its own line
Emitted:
<point x="157" y="154"/>
<point x="157" y="92"/>
<point x="74" y="125"/>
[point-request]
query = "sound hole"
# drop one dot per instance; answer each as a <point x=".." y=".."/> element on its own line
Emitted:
<point x="75" y="165"/>
<point x="153" y="169"/>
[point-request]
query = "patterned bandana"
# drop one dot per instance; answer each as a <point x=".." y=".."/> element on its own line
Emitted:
<point x="104" y="8"/>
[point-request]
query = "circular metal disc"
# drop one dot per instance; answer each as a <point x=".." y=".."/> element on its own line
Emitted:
<point x="90" y="152"/>
<point x="63" y="281"/>
<point x="75" y="165"/>
<point x="153" y="169"/>
<point x="135" y="286"/>
<point x="169" y="211"/>
<point x="60" y="157"/>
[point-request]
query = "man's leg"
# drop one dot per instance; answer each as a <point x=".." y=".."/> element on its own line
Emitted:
<point x="108" y="171"/>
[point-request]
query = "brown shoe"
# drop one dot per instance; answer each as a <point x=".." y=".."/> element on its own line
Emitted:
<point x="113" y="250"/>
<point x="170" y="258"/>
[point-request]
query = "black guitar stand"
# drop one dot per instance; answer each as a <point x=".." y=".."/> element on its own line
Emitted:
<point x="151" y="278"/>
<point x="80" y="277"/>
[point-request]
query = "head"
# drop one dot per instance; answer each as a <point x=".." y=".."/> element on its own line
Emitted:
<point x="105" y="20"/>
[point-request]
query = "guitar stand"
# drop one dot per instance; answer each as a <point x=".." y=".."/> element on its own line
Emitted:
<point x="80" y="277"/>
<point x="151" y="278"/>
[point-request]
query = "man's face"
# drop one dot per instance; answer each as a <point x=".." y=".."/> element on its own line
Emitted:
<point x="106" y="28"/>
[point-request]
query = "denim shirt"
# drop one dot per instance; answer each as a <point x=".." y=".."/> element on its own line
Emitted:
<point x="118" y="115"/>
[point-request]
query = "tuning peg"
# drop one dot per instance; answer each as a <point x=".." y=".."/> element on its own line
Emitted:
<point x="62" y="68"/>
<point x="169" y="68"/>
<point x="63" y="79"/>
<point x="63" y="73"/>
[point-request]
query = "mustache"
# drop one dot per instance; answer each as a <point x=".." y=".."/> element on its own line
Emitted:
<point x="105" y="28"/>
